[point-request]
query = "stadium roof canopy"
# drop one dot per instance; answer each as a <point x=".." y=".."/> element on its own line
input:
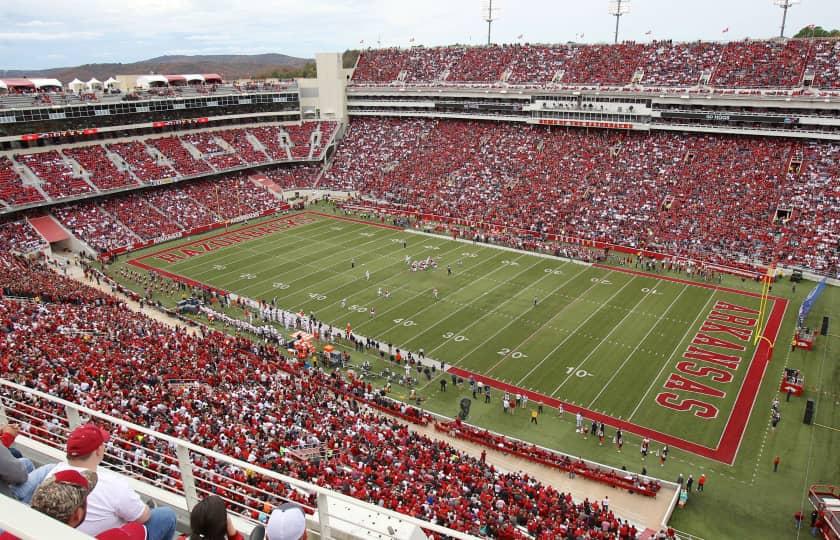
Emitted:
<point x="152" y="81"/>
<point x="10" y="84"/>
<point x="194" y="78"/>
<point x="176" y="80"/>
<point x="42" y="84"/>
<point x="212" y="78"/>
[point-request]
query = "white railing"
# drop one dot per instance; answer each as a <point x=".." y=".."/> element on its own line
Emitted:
<point x="189" y="472"/>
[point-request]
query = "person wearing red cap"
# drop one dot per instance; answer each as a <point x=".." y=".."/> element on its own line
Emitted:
<point x="63" y="497"/>
<point x="112" y="503"/>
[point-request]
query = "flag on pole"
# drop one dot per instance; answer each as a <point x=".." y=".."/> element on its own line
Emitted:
<point x="725" y="30"/>
<point x="411" y="40"/>
<point x="649" y="32"/>
<point x="362" y="42"/>
<point x="519" y="36"/>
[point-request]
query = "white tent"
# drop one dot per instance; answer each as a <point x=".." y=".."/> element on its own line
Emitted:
<point x="3" y="88"/>
<point x="111" y="82"/>
<point x="94" y="84"/>
<point x="152" y="81"/>
<point x="194" y="78"/>
<point x="76" y="86"/>
<point x="47" y="85"/>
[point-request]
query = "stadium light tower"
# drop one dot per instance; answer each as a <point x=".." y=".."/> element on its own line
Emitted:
<point x="785" y="4"/>
<point x="489" y="12"/>
<point x="618" y="8"/>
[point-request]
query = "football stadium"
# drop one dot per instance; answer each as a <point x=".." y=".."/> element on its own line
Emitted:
<point x="579" y="289"/>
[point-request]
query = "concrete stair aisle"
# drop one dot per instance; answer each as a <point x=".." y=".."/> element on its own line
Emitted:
<point x="29" y="178"/>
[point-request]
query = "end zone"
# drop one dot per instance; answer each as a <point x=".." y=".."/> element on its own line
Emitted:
<point x="733" y="433"/>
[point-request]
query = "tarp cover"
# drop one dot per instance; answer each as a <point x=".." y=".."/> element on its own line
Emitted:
<point x="49" y="229"/>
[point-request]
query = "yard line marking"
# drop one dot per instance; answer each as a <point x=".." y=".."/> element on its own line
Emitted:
<point x="375" y="285"/>
<point x="500" y="330"/>
<point x="614" y="328"/>
<point x="225" y="253"/>
<point x="629" y="356"/>
<point x="485" y="293"/>
<point x="544" y="325"/>
<point x="392" y="308"/>
<point x="668" y="361"/>
<point x="329" y="250"/>
<point x="575" y="331"/>
<point x="265" y="253"/>
<point x="827" y="427"/>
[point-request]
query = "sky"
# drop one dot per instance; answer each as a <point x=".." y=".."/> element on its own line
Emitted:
<point x="54" y="33"/>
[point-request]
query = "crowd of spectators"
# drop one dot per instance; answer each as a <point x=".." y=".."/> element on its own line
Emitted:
<point x="129" y="218"/>
<point x="152" y="160"/>
<point x="180" y="158"/>
<point x="708" y="197"/>
<point x="58" y="177"/>
<point x="738" y="64"/>
<point x="134" y="211"/>
<point x="294" y="176"/>
<point x="232" y="196"/>
<point x="250" y="402"/>
<point x="762" y="64"/>
<point x="270" y="138"/>
<point x="103" y="173"/>
<point x="100" y="229"/>
<point x="19" y="236"/>
<point x="205" y="142"/>
<point x="238" y="139"/>
<point x="143" y="165"/>
<point x="12" y="190"/>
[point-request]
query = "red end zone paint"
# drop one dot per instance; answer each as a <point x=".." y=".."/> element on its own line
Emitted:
<point x="736" y="425"/>
<point x="138" y="262"/>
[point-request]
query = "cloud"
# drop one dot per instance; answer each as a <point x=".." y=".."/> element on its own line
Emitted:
<point x="48" y="36"/>
<point x="35" y="23"/>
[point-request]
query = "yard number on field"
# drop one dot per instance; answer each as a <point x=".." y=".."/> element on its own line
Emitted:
<point x="510" y="263"/>
<point x="469" y="254"/>
<point x="601" y="281"/>
<point x="366" y="234"/>
<point x="513" y="354"/>
<point x="247" y="276"/>
<point x="404" y="322"/>
<point x="280" y="285"/>
<point x="433" y="248"/>
<point x="453" y="337"/>
<point x="578" y="372"/>
<point x="358" y="309"/>
<point x="554" y="271"/>
<point x="317" y="296"/>
<point x="648" y="290"/>
<point x="219" y="267"/>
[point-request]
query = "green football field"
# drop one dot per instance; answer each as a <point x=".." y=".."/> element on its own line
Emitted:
<point x="604" y="339"/>
<point x="600" y="338"/>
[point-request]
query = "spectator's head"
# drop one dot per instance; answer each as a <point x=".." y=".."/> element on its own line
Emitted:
<point x="209" y="520"/>
<point x="86" y="445"/>
<point x="287" y="522"/>
<point x="63" y="496"/>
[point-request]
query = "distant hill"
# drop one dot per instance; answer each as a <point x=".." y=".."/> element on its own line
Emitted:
<point x="229" y="66"/>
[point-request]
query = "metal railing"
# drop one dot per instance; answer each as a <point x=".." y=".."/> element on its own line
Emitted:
<point x="192" y="472"/>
